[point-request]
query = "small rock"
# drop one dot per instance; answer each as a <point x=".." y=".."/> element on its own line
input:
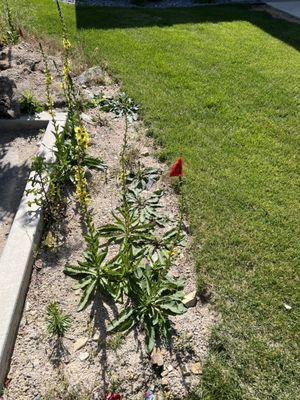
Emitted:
<point x="190" y="299"/>
<point x="36" y="363"/>
<point x="80" y="343"/>
<point x="157" y="357"/>
<point x="164" y="381"/>
<point x="67" y="358"/>
<point x="86" y="118"/>
<point x="3" y="56"/>
<point x="96" y="337"/>
<point x="83" y="356"/>
<point x="87" y="95"/>
<point x="196" y="368"/>
<point x="170" y="368"/>
<point x="185" y="370"/>
<point x="33" y="65"/>
<point x="94" y="75"/>
<point x="4" y="66"/>
<point x="287" y="307"/>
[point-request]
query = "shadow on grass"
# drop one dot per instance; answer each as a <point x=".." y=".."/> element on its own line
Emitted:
<point x="124" y="18"/>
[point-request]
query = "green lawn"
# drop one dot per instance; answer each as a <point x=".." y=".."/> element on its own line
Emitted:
<point x="221" y="87"/>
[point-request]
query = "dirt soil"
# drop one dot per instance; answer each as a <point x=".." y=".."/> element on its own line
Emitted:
<point x="93" y="359"/>
<point x="16" y="149"/>
<point x="22" y="71"/>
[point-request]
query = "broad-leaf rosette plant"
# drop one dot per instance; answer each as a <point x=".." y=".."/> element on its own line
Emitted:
<point x="152" y="302"/>
<point x="95" y="273"/>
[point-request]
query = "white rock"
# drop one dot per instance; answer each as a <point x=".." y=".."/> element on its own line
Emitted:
<point x="83" y="356"/>
<point x="157" y="357"/>
<point x="96" y="337"/>
<point x="190" y="299"/>
<point x="81" y="342"/>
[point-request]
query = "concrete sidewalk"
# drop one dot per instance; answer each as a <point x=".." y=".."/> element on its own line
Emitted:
<point x="291" y="7"/>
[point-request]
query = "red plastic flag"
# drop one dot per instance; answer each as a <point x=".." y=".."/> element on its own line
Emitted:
<point x="113" y="396"/>
<point x="176" y="169"/>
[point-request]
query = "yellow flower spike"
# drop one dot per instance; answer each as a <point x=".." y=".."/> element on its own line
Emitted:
<point x="66" y="70"/>
<point x="66" y="44"/>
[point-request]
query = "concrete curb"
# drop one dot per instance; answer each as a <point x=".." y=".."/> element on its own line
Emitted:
<point x="18" y="254"/>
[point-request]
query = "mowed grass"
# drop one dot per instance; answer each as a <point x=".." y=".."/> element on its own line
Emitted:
<point x="220" y="86"/>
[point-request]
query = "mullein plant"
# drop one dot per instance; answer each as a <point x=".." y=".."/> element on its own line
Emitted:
<point x="75" y="131"/>
<point x="50" y="175"/>
<point x="152" y="293"/>
<point x="12" y="33"/>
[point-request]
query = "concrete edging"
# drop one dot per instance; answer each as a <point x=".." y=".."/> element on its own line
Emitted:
<point x="18" y="254"/>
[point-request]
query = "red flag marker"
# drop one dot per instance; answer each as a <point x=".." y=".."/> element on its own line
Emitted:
<point x="176" y="169"/>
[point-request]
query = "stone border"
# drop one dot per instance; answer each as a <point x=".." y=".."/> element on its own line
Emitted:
<point x="18" y="254"/>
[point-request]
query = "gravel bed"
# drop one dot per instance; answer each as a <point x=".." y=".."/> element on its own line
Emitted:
<point x="91" y="359"/>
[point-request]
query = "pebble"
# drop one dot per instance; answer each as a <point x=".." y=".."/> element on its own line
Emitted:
<point x="196" y="368"/>
<point x="83" y="356"/>
<point x="190" y="299"/>
<point x="96" y="337"/>
<point x="157" y="357"/>
<point x="80" y="343"/>
<point x="164" y="381"/>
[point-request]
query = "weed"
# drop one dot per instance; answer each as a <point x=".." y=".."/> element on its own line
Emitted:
<point x="29" y="104"/>
<point x="57" y="321"/>
<point x="11" y="33"/>
<point x="153" y="299"/>
<point x="183" y="343"/>
<point x="115" y="341"/>
<point x="115" y="383"/>
<point x="94" y="273"/>
<point x="143" y="178"/>
<point x="64" y="391"/>
<point x="146" y="208"/>
<point x="122" y="105"/>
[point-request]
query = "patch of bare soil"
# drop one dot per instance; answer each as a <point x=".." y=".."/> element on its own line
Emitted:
<point x="21" y="71"/>
<point x="92" y="358"/>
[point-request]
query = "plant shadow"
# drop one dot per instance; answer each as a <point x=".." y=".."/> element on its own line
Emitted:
<point x="99" y="315"/>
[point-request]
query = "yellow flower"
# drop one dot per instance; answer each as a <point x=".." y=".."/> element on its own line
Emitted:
<point x="81" y="186"/>
<point x="66" y="44"/>
<point x="82" y="137"/>
<point x="66" y="70"/>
